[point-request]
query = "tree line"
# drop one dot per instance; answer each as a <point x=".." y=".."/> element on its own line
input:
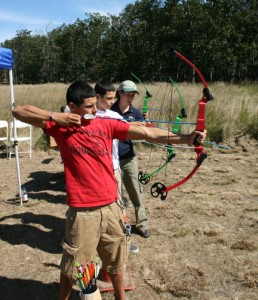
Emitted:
<point x="218" y="36"/>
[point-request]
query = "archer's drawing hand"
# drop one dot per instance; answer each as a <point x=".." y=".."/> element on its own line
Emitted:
<point x="67" y="119"/>
<point x="198" y="136"/>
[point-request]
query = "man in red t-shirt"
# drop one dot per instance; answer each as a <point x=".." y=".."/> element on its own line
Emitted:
<point x="94" y="223"/>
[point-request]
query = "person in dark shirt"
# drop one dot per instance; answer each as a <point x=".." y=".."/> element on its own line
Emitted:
<point x="127" y="156"/>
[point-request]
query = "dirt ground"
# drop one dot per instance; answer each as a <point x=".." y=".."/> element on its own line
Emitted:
<point x="204" y="241"/>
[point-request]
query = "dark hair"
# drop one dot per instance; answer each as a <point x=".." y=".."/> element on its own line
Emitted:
<point x="118" y="95"/>
<point x="78" y="91"/>
<point x="102" y="87"/>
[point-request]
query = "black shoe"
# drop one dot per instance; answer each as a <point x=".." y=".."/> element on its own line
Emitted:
<point x="141" y="231"/>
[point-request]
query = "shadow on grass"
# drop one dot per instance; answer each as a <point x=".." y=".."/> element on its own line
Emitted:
<point x="21" y="289"/>
<point x="29" y="234"/>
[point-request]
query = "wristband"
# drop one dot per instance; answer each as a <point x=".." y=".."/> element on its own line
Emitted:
<point x="51" y="116"/>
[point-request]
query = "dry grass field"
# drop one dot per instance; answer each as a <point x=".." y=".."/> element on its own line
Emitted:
<point x="204" y="242"/>
<point x="234" y="106"/>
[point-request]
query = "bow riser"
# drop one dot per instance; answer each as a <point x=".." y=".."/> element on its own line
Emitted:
<point x="145" y="104"/>
<point x="200" y="123"/>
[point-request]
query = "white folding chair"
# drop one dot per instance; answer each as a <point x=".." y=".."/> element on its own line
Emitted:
<point x="24" y="134"/>
<point x="4" y="135"/>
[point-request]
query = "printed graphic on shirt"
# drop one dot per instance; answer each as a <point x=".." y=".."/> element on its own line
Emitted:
<point x="96" y="146"/>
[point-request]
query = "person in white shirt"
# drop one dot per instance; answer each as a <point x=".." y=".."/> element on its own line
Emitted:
<point x="106" y="96"/>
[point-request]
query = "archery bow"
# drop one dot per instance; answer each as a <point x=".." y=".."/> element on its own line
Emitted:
<point x="146" y="98"/>
<point x="159" y="189"/>
<point x="145" y="178"/>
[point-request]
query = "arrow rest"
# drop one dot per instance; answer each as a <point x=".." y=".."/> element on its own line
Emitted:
<point x="158" y="189"/>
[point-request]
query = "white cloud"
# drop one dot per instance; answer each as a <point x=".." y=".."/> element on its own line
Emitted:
<point x="102" y="7"/>
<point x="19" y="15"/>
<point x="6" y="16"/>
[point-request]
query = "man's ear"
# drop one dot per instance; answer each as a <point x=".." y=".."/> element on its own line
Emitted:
<point x="71" y="106"/>
<point x="98" y="97"/>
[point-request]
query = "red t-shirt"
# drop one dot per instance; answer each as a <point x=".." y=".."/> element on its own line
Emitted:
<point x="86" y="152"/>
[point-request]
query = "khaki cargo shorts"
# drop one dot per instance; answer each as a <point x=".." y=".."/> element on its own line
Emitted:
<point x="92" y="232"/>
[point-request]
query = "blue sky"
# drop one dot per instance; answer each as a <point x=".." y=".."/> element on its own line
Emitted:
<point x="42" y="16"/>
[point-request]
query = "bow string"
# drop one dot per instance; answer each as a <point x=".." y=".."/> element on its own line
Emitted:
<point x="145" y="178"/>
